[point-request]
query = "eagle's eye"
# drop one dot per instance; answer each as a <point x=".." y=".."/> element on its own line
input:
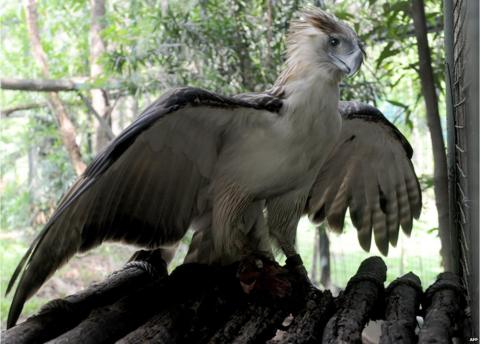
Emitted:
<point x="333" y="41"/>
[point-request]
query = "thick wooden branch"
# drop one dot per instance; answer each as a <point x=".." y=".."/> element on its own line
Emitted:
<point x="58" y="316"/>
<point x="205" y="304"/>
<point x="358" y="304"/>
<point x="402" y="306"/>
<point x="40" y="85"/>
<point x="111" y="322"/>
<point x="444" y="310"/>
<point x="55" y="85"/>
<point x="308" y="325"/>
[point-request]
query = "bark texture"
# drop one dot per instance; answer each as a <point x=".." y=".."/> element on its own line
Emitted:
<point x="205" y="304"/>
<point x="401" y="309"/>
<point x="359" y="303"/>
<point x="308" y="324"/>
<point x="66" y="127"/>
<point x="60" y="315"/>
<point x="444" y="310"/>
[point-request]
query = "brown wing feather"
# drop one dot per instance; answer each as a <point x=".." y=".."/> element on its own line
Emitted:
<point x="141" y="190"/>
<point x="370" y="173"/>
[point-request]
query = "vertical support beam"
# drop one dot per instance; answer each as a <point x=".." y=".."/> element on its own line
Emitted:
<point x="461" y="41"/>
<point x="451" y="159"/>
<point x="471" y="57"/>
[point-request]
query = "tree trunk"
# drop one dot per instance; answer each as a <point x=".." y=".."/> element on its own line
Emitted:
<point x="440" y="172"/>
<point x="321" y="257"/>
<point x="316" y="248"/>
<point x="164" y="6"/>
<point x="67" y="130"/>
<point x="324" y="251"/>
<point x="100" y="101"/>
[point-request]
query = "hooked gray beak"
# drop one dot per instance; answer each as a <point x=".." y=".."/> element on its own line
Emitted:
<point x="349" y="63"/>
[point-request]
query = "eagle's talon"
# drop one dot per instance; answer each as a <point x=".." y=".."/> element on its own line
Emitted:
<point x="295" y="266"/>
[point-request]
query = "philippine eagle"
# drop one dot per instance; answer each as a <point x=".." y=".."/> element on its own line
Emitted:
<point x="195" y="158"/>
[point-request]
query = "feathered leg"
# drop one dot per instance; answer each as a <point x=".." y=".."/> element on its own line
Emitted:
<point x="251" y="236"/>
<point x="283" y="214"/>
<point x="232" y="218"/>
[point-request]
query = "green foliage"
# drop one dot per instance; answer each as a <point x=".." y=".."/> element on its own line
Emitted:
<point x="386" y="29"/>
<point x="35" y="171"/>
<point x="213" y="44"/>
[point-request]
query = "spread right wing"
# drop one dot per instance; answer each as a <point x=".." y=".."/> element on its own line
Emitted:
<point x="371" y="173"/>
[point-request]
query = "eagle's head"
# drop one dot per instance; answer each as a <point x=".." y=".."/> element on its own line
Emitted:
<point x="319" y="40"/>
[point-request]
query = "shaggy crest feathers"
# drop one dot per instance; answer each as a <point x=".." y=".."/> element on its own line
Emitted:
<point x="317" y="19"/>
<point x="310" y="21"/>
<point x="313" y="16"/>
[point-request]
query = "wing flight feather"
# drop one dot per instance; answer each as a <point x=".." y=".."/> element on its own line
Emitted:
<point x="142" y="189"/>
<point x="370" y="173"/>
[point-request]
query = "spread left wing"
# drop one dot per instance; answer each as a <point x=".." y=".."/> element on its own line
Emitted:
<point x="371" y="173"/>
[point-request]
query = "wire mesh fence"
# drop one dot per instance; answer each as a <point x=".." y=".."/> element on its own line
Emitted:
<point x="418" y="253"/>
<point x="460" y="168"/>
